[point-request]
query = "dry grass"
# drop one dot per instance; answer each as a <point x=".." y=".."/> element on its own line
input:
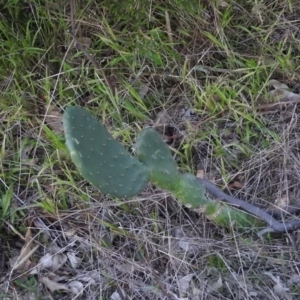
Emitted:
<point x="197" y="72"/>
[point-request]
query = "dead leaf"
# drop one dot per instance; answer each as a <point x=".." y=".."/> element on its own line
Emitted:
<point x="55" y="277"/>
<point x="25" y="156"/>
<point x="280" y="96"/>
<point x="187" y="114"/>
<point x="210" y="176"/>
<point x="214" y="285"/>
<point x="163" y="118"/>
<point x="279" y="288"/>
<point x="74" y="260"/>
<point x="184" y="283"/>
<point x="22" y="261"/>
<point x="200" y="174"/>
<point x="184" y="244"/>
<point x="27" y="296"/>
<point x="85" y="41"/>
<point x="115" y="296"/>
<point x="143" y="90"/>
<point x="53" y="119"/>
<point x="4" y="84"/>
<point x="223" y="3"/>
<point x="91" y="277"/>
<point x="25" y="152"/>
<point x="201" y="68"/>
<point x="257" y="11"/>
<point x="76" y="287"/>
<point x="45" y="262"/>
<point x="283" y="95"/>
<point x="294" y="280"/>
<point x="53" y="286"/>
<point x="54" y="249"/>
<point x="236" y="185"/>
<point x="277" y="85"/>
<point x="58" y="261"/>
<point x="70" y="232"/>
<point x="52" y="261"/>
<point x="283" y="202"/>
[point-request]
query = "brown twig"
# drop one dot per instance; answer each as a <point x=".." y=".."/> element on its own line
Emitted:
<point x="274" y="225"/>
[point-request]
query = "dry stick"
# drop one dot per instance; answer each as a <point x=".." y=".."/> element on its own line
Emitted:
<point x="275" y="226"/>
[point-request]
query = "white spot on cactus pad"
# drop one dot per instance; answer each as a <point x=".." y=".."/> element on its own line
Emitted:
<point x="76" y="141"/>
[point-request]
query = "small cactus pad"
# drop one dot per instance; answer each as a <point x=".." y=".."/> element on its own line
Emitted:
<point x="227" y="216"/>
<point x="99" y="158"/>
<point x="193" y="195"/>
<point x="190" y="192"/>
<point x="156" y="155"/>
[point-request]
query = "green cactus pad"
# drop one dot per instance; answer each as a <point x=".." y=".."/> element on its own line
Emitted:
<point x="226" y="216"/>
<point x="190" y="192"/>
<point x="193" y="194"/>
<point x="156" y="155"/>
<point x="100" y="159"/>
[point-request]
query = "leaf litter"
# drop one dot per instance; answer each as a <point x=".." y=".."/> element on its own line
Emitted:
<point x="59" y="269"/>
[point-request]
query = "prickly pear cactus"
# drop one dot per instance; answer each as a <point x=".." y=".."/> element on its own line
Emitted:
<point x="194" y="196"/>
<point x="227" y="216"/>
<point x="156" y="155"/>
<point x="107" y="165"/>
<point x="99" y="158"/>
<point x="190" y="192"/>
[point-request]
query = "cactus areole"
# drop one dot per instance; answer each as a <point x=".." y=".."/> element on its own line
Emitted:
<point x="99" y="158"/>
